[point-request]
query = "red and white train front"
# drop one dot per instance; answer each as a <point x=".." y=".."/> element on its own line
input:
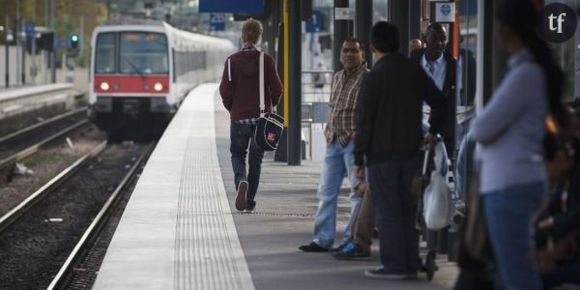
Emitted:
<point x="140" y="74"/>
<point x="130" y="81"/>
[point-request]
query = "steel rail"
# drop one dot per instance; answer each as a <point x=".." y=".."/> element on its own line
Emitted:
<point x="96" y="225"/>
<point x="34" y="148"/>
<point x="21" y="132"/>
<point x="20" y="209"/>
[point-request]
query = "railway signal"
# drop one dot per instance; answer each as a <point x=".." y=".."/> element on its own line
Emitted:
<point x="74" y="41"/>
<point x="74" y="45"/>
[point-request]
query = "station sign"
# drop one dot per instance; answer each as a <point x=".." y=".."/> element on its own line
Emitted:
<point x="444" y="12"/>
<point x="217" y="22"/>
<point x="342" y="13"/>
<point x="316" y="23"/>
<point x="29" y="29"/>
<point x="254" y="7"/>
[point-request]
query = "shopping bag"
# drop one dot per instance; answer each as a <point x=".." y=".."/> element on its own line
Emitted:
<point x="437" y="204"/>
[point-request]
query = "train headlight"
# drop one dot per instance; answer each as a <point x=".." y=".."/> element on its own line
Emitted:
<point x="158" y="87"/>
<point x="105" y="86"/>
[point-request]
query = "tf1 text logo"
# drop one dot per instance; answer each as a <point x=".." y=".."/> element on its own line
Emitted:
<point x="559" y="19"/>
<point x="558" y="22"/>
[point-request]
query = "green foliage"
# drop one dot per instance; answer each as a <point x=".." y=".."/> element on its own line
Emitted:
<point x="69" y="14"/>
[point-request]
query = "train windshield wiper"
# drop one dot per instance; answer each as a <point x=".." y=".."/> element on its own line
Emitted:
<point x="135" y="68"/>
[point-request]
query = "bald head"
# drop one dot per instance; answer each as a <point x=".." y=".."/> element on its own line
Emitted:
<point x="415" y="44"/>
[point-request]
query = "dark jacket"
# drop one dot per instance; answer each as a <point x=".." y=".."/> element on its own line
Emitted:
<point x="239" y="87"/>
<point x="448" y="130"/>
<point x="389" y="110"/>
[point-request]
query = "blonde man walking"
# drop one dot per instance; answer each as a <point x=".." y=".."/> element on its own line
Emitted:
<point x="239" y="89"/>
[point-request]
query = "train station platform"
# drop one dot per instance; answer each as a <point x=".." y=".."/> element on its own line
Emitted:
<point x="23" y="91"/>
<point x="180" y="229"/>
<point x="18" y="100"/>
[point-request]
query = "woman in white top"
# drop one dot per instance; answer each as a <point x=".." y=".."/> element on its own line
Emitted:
<point x="509" y="133"/>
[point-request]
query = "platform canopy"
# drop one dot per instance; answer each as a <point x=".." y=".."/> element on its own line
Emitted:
<point x="232" y="6"/>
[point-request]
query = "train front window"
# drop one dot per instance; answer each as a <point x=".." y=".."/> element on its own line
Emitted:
<point x="105" y="53"/>
<point x="144" y="53"/>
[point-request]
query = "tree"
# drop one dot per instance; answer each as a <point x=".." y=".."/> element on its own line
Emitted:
<point x="68" y="17"/>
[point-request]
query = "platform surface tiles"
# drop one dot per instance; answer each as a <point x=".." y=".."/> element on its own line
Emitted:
<point x="178" y="232"/>
<point x="180" y="229"/>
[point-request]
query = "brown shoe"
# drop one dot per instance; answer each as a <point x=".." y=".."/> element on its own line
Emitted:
<point x="241" y="198"/>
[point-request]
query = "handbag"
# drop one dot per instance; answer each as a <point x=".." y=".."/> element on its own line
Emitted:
<point x="270" y="125"/>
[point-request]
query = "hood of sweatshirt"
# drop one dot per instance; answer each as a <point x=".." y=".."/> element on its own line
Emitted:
<point x="247" y="63"/>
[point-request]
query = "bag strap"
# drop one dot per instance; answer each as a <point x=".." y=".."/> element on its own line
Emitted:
<point x="262" y="101"/>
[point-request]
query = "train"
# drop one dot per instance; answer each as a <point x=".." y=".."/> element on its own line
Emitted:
<point x="140" y="73"/>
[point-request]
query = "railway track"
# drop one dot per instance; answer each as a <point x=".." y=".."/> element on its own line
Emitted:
<point x="44" y="236"/>
<point x="23" y="143"/>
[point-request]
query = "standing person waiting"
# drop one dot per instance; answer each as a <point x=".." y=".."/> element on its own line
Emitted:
<point x="389" y="135"/>
<point x="340" y="136"/>
<point x="509" y="133"/>
<point x="441" y="67"/>
<point x="239" y="89"/>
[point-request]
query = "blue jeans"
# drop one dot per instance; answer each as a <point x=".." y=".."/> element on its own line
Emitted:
<point x="508" y="214"/>
<point x="242" y="137"/>
<point x="338" y="162"/>
<point x="395" y="210"/>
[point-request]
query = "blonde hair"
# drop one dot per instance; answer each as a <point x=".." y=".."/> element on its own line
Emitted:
<point x="252" y="31"/>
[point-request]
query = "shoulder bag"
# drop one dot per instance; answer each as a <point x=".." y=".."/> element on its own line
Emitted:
<point x="270" y="125"/>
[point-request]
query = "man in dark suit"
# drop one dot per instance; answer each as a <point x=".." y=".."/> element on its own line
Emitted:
<point x="441" y="67"/>
<point x="388" y="140"/>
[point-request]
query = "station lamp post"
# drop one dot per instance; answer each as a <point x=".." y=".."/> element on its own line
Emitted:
<point x="8" y="38"/>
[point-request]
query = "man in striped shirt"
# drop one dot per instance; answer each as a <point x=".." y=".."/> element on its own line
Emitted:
<point x="339" y="159"/>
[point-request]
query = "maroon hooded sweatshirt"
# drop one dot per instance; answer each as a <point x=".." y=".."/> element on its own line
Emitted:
<point x="239" y="87"/>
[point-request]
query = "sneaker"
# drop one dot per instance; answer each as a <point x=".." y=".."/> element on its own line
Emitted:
<point x="339" y="248"/>
<point x="241" y="198"/>
<point x="352" y="251"/>
<point x="312" y="247"/>
<point x="250" y="206"/>
<point x="381" y="273"/>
